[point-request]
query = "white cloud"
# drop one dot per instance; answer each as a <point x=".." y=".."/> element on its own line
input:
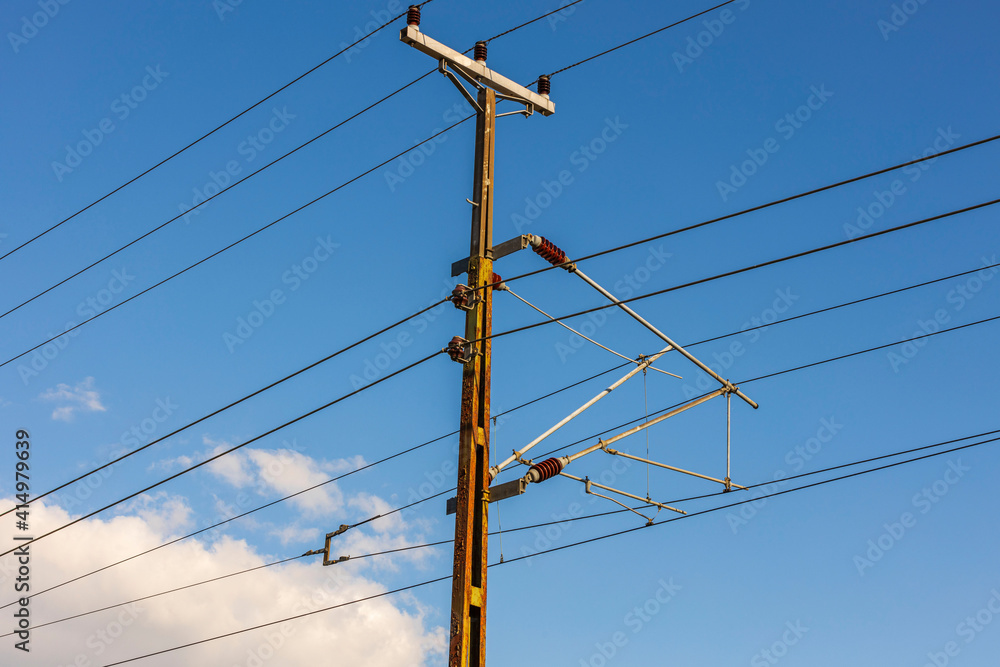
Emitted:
<point x="81" y="398"/>
<point x="384" y="632"/>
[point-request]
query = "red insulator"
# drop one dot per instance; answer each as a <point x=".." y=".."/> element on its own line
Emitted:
<point x="547" y="468"/>
<point x="413" y="16"/>
<point x="544" y="86"/>
<point x="480" y="52"/>
<point x="550" y="252"/>
<point x="497" y="279"/>
<point x="456" y="348"/>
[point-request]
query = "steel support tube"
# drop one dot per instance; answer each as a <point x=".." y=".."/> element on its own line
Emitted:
<point x="725" y="383"/>
<point x="590" y="482"/>
<point x="615" y="452"/>
<point x="657" y="420"/>
<point x="495" y="470"/>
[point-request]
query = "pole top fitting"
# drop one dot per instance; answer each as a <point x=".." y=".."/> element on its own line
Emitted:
<point x="544" y="85"/>
<point x="480" y="52"/>
<point x="413" y="16"/>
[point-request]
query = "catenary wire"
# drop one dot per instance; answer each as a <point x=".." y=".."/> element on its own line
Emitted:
<point x="559" y="548"/>
<point x="788" y="370"/>
<point x="234" y="403"/>
<point x="637" y="39"/>
<point x="745" y="269"/>
<point x="231" y="245"/>
<point x="205" y="136"/>
<point x="632" y="421"/>
<point x="230" y="450"/>
<point x="254" y="173"/>
<point x="753" y="209"/>
<point x="313" y="487"/>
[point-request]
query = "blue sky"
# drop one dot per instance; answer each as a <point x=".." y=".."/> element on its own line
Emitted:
<point x="749" y="103"/>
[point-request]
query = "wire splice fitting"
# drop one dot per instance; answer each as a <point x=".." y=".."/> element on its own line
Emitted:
<point x="480" y="52"/>
<point x="548" y="250"/>
<point x="546" y="469"/>
<point x="544" y="85"/>
<point x="413" y="16"/>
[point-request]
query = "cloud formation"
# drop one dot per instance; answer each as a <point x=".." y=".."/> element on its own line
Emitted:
<point x="84" y="397"/>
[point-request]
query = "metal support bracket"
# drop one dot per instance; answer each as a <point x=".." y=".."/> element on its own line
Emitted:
<point x="499" y="250"/>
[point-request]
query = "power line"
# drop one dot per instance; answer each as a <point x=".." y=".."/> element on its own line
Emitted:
<point x="290" y="618"/>
<point x="311" y="488"/>
<point x="810" y="365"/>
<point x="759" y="207"/>
<point x="745" y="269"/>
<point x="204" y="136"/>
<point x="559" y="548"/>
<point x="199" y="205"/>
<point x="527" y="527"/>
<point x="233" y="244"/>
<point x="167" y="592"/>
<point x="252" y="174"/>
<point x="228" y="451"/>
<point x="230" y="405"/>
<point x="750" y="500"/>
<point x="783" y="372"/>
<point x="648" y="34"/>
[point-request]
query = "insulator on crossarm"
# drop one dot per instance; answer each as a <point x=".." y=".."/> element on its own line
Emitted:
<point x="547" y="250"/>
<point x="546" y="469"/>
<point x="480" y="52"/>
<point x="544" y="85"/>
<point x="498" y="282"/>
<point x="413" y="16"/>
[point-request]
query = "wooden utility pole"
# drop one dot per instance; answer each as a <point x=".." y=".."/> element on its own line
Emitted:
<point x="467" y="647"/>
<point x="468" y="593"/>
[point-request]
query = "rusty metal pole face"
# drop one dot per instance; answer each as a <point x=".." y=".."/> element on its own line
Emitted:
<point x="468" y="597"/>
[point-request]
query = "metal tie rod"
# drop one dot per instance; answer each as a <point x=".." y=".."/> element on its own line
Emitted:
<point x="590" y="482"/>
<point x="725" y="383"/>
<point x="495" y="470"/>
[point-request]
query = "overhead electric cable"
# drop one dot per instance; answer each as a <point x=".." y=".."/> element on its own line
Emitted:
<point x="745" y="269"/>
<point x="205" y="136"/>
<point x="754" y="209"/>
<point x="230" y="405"/>
<point x="560" y="548"/>
<point x="225" y="452"/>
<point x="310" y="488"/>
<point x="231" y="245"/>
<point x="254" y="173"/>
